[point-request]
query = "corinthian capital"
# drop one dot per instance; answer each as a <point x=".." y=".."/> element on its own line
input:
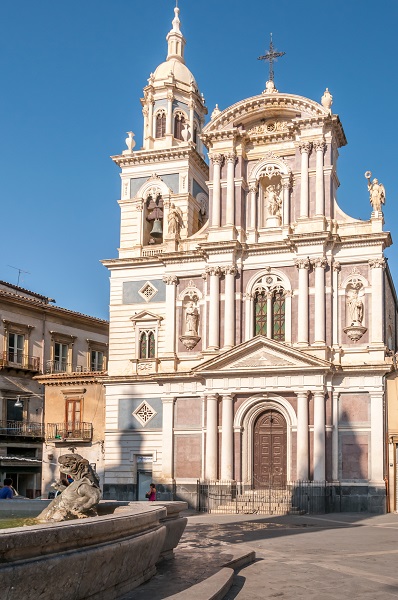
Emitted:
<point x="229" y="270"/>
<point x="213" y="271"/>
<point x="305" y="147"/>
<point x="170" y="96"/>
<point x="170" y="279"/>
<point x="253" y="187"/>
<point x="320" y="145"/>
<point x="216" y="159"/>
<point x="230" y="157"/>
<point x="377" y="263"/>
<point x="302" y="263"/>
<point x="320" y="261"/>
<point x="336" y="266"/>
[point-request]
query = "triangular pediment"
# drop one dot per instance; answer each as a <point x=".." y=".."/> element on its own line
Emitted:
<point x="263" y="354"/>
<point x="145" y="315"/>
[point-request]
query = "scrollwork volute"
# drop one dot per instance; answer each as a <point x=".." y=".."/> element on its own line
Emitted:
<point x="320" y="262"/>
<point x="230" y="157"/>
<point x="229" y="270"/>
<point x="320" y="146"/>
<point x="305" y="147"/>
<point x="214" y="271"/>
<point x="217" y="159"/>
<point x="377" y="263"/>
<point x="302" y="263"/>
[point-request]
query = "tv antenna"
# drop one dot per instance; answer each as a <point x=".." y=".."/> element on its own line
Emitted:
<point x="19" y="272"/>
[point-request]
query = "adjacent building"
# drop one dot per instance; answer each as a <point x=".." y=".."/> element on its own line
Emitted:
<point x="48" y="353"/>
<point x="252" y="321"/>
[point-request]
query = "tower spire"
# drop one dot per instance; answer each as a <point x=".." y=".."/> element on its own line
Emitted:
<point x="175" y="39"/>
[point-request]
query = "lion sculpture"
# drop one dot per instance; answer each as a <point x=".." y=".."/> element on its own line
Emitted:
<point x="77" y="500"/>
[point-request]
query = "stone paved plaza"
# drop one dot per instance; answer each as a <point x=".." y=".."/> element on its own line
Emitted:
<point x="315" y="557"/>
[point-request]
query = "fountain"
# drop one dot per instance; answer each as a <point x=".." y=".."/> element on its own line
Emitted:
<point x="90" y="549"/>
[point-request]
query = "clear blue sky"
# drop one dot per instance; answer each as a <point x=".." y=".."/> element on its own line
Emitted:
<point x="72" y="74"/>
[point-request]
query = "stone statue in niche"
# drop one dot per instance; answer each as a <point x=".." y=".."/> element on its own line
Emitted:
<point x="174" y="220"/>
<point x="377" y="192"/>
<point x="273" y="200"/>
<point x="80" y="498"/>
<point x="355" y="307"/>
<point x="191" y="319"/>
<point x="355" y="310"/>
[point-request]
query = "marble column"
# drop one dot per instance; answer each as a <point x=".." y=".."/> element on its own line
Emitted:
<point x="303" y="265"/>
<point x="212" y="437"/>
<point x="320" y="301"/>
<point x="305" y="149"/>
<point x="227" y="438"/>
<point x="169" y="116"/>
<point x="145" y="113"/>
<point x="377" y="266"/>
<point x="150" y="115"/>
<point x="191" y="118"/>
<point x="253" y="187"/>
<point x="320" y="184"/>
<point x="216" y="199"/>
<point x="286" y="202"/>
<point x="376" y="438"/>
<point x="302" y="437"/>
<point x="230" y="208"/>
<point x="170" y="322"/>
<point x="319" y="436"/>
<point x="229" y="307"/>
<point x="335" y="436"/>
<point x="214" y="309"/>
<point x="335" y="324"/>
<point x="168" y="438"/>
<point x="288" y="316"/>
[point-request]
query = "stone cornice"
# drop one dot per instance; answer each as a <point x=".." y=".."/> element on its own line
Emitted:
<point x="366" y="239"/>
<point x="67" y="379"/>
<point x="151" y="157"/>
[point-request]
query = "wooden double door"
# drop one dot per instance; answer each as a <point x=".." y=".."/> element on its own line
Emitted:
<point x="270" y="450"/>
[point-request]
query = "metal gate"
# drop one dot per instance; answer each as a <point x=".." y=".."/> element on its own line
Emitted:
<point x="296" y="497"/>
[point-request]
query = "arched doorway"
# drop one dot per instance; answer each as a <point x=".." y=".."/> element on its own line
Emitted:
<point x="269" y="449"/>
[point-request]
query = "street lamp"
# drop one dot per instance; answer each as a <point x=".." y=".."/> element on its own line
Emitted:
<point x="18" y="403"/>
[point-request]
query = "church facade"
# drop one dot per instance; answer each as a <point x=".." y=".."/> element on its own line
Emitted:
<point x="252" y="321"/>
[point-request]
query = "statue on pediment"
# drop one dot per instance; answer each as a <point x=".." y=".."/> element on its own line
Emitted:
<point x="377" y="192"/>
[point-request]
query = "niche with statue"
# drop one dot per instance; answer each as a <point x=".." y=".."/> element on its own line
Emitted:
<point x="190" y="317"/>
<point x="354" y="299"/>
<point x="271" y="200"/>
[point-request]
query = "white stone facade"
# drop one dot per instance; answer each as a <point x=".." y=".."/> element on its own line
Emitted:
<point x="243" y="290"/>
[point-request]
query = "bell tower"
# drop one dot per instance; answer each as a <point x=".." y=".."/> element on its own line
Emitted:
<point x="164" y="195"/>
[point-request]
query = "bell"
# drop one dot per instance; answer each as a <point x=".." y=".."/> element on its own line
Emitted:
<point x="157" y="231"/>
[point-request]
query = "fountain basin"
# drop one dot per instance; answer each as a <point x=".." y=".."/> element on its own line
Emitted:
<point x="98" y="558"/>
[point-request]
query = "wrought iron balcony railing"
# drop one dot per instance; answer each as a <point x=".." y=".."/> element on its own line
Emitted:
<point x="53" y="366"/>
<point x="69" y="431"/>
<point x="21" y="429"/>
<point x="17" y="360"/>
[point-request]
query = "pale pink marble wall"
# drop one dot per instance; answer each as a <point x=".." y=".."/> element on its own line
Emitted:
<point x="354" y="455"/>
<point x="354" y="409"/>
<point x="188" y="413"/>
<point x="187" y="453"/>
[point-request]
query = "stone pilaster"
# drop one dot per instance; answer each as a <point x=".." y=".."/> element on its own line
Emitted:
<point x="377" y="266"/>
<point x="216" y="199"/>
<point x="170" y="322"/>
<point x="212" y="437"/>
<point x="376" y="438"/>
<point x="319" y="436"/>
<point x="302" y="437"/>
<point x="303" y="265"/>
<point x="230" y="209"/>
<point x="305" y="149"/>
<point x="320" y="301"/>
<point x="214" y="309"/>
<point x="229" y="307"/>
<point x="227" y="438"/>
<point x="168" y="438"/>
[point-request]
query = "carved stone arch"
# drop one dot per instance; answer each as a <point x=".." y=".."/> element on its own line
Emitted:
<point x="190" y="291"/>
<point x="266" y="273"/>
<point x="245" y="418"/>
<point x="354" y="276"/>
<point x="272" y="163"/>
<point x="157" y="183"/>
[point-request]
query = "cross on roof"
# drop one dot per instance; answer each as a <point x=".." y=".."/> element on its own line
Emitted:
<point x="271" y="55"/>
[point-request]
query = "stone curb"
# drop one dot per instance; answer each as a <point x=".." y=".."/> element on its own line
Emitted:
<point x="216" y="586"/>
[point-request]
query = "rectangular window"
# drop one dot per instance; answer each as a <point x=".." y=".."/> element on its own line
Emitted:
<point x="60" y="356"/>
<point x="16" y="343"/>
<point x="97" y="360"/>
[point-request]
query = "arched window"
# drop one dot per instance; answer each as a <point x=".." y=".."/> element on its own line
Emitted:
<point x="179" y="121"/>
<point x="195" y="134"/>
<point x="147" y="344"/>
<point x="270" y="313"/>
<point x="161" y="124"/>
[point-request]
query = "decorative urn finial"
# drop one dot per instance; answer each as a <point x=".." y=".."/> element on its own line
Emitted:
<point x="327" y="100"/>
<point x="130" y="143"/>
<point x="215" y="112"/>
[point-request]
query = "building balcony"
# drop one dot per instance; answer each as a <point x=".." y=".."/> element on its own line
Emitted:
<point x="54" y="367"/>
<point x="21" y="429"/>
<point x="17" y="360"/>
<point x="70" y="432"/>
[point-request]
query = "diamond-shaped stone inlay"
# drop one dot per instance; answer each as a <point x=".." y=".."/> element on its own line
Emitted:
<point x="144" y="413"/>
<point x="148" y="291"/>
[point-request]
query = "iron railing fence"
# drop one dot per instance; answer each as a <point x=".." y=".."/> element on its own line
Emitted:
<point x="21" y="429"/>
<point x="69" y="431"/>
<point x="19" y="360"/>
<point x="293" y="497"/>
